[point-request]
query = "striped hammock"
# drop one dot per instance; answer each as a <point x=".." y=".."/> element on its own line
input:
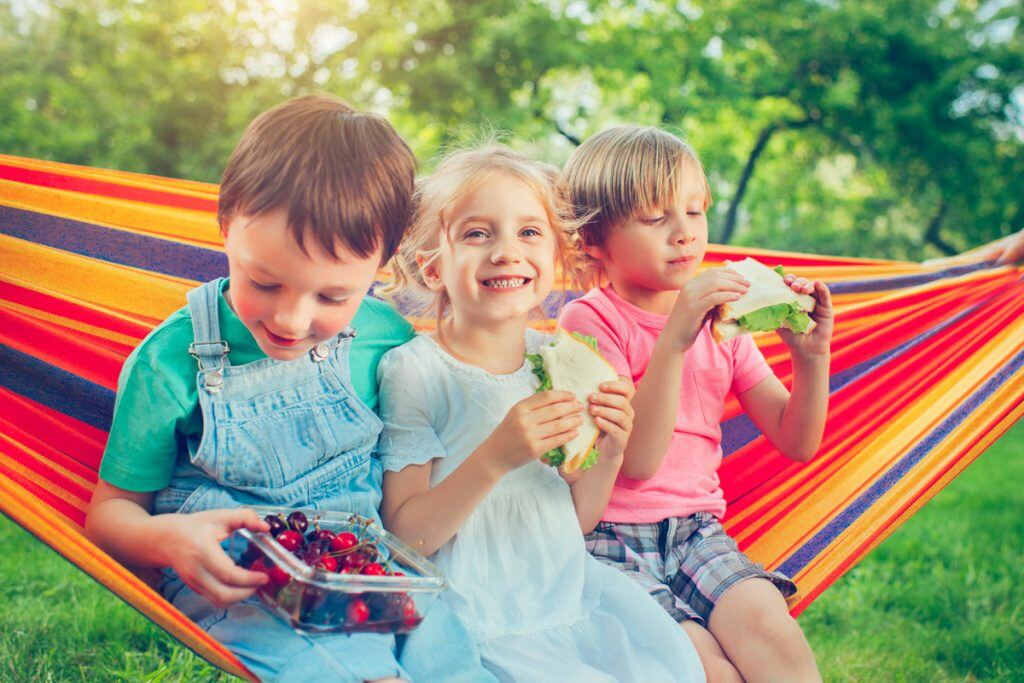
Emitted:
<point x="926" y="374"/>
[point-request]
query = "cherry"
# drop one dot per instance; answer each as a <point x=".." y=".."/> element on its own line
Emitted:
<point x="355" y="560"/>
<point x="357" y="612"/>
<point x="324" y="535"/>
<point x="328" y="563"/>
<point x="346" y="540"/>
<point x="374" y="569"/>
<point x="289" y="540"/>
<point x="278" y="576"/>
<point x="276" y="524"/>
<point x="297" y="521"/>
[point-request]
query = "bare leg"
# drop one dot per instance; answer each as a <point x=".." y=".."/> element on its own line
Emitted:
<point x="753" y="626"/>
<point x="717" y="666"/>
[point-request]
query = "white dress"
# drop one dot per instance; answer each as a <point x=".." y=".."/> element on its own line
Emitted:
<point x="540" y="606"/>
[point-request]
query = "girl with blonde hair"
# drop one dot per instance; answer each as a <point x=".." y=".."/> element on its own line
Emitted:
<point x="465" y="432"/>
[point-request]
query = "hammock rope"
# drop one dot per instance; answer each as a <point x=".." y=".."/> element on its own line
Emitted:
<point x="927" y="372"/>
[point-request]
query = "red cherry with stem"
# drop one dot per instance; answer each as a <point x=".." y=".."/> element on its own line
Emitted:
<point x="346" y="540"/>
<point x="289" y="540"/>
<point x="374" y="569"/>
<point x="357" y="612"/>
<point x="325" y="535"/>
<point x="355" y="560"/>
<point x="327" y="563"/>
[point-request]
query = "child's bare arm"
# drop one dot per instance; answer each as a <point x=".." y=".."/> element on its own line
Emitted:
<point x="426" y="518"/>
<point x="613" y="414"/>
<point x="657" y="396"/>
<point x="795" y="423"/>
<point x="119" y="522"/>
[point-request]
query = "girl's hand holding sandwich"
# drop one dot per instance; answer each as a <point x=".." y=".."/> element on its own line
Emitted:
<point x="612" y="411"/>
<point x="817" y="341"/>
<point x="531" y="428"/>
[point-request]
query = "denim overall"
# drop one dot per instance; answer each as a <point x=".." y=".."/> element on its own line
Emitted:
<point x="293" y="434"/>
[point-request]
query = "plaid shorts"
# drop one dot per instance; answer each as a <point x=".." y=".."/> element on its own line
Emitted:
<point x="685" y="563"/>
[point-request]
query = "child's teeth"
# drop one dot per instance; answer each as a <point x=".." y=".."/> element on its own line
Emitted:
<point x="506" y="283"/>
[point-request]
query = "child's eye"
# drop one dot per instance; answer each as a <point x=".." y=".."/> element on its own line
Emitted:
<point x="333" y="302"/>
<point x="531" y="232"/>
<point x="695" y="213"/>
<point x="652" y="220"/>
<point x="474" y="233"/>
<point x="262" y="287"/>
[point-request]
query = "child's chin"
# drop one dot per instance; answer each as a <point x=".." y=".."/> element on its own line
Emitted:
<point x="277" y="353"/>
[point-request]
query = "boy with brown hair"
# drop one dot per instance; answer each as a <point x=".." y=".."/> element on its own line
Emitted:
<point x="279" y="412"/>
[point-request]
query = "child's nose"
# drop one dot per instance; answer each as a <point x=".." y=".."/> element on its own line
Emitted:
<point x="682" y="234"/>
<point x="505" y="251"/>
<point x="292" y="319"/>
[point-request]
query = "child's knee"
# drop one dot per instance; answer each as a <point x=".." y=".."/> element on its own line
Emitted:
<point x="717" y="667"/>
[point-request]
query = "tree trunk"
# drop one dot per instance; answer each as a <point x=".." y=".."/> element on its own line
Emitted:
<point x="931" y="233"/>
<point x="741" y="188"/>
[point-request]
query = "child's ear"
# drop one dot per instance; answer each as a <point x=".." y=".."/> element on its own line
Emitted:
<point x="594" y="252"/>
<point x="428" y="269"/>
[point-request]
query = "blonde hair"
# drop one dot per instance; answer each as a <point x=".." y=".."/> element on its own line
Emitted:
<point x="621" y="173"/>
<point x="459" y="174"/>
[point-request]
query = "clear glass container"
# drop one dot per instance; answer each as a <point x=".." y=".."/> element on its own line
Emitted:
<point x="347" y="594"/>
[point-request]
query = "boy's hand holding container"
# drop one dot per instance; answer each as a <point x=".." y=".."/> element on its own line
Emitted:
<point x="192" y="543"/>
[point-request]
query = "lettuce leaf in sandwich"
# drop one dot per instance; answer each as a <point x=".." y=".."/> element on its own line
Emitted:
<point x="571" y="362"/>
<point x="768" y="305"/>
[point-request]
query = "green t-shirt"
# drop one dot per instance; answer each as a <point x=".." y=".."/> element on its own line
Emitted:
<point x="157" y="405"/>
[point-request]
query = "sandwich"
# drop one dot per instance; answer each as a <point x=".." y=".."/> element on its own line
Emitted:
<point x="571" y="362"/>
<point x="768" y="305"/>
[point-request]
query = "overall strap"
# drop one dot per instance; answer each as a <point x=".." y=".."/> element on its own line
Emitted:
<point x="208" y="348"/>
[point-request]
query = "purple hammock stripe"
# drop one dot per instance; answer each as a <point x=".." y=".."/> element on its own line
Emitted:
<point x="831" y="531"/>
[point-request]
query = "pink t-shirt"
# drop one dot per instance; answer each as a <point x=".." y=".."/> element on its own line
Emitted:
<point x="687" y="481"/>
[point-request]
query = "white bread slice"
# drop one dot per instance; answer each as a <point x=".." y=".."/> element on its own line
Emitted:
<point x="573" y="366"/>
<point x="767" y="288"/>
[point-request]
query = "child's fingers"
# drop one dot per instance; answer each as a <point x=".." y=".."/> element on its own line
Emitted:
<point x="224" y="596"/>
<point x="557" y="411"/>
<point x="604" y="417"/>
<point x="228" y="574"/>
<point x="547" y="398"/>
<point x="824" y="298"/>
<point x="239" y="518"/>
<point x="801" y="285"/>
<point x="617" y="401"/>
<point x="622" y="386"/>
<point x="559" y="439"/>
<point x="563" y="424"/>
<point x="717" y="298"/>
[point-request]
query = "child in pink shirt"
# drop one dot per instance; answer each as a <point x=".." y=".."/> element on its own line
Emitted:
<point x="648" y="196"/>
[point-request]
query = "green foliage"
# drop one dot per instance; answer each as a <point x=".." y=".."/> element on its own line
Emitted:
<point x="872" y="128"/>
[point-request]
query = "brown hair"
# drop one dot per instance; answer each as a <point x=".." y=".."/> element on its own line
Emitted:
<point x="623" y="172"/>
<point x="344" y="177"/>
<point x="460" y="173"/>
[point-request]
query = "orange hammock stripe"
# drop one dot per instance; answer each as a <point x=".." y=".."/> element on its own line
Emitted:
<point x="926" y="373"/>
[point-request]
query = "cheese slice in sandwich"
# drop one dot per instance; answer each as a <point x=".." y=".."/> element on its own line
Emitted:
<point x="768" y="305"/>
<point x="571" y="362"/>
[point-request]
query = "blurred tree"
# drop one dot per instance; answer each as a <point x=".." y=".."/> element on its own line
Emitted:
<point x="870" y="128"/>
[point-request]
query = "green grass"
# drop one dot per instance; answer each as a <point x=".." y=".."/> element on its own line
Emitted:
<point x="941" y="600"/>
